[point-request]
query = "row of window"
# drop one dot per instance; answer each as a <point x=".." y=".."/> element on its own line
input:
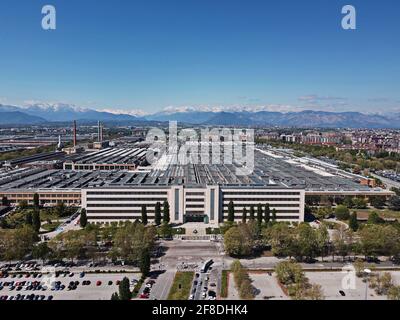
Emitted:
<point x="118" y="211"/>
<point x="262" y="199"/>
<point x="277" y="217"/>
<point x="127" y="205"/>
<point x="277" y="211"/>
<point x="30" y="196"/>
<point x="117" y="193"/>
<point x="261" y="193"/>
<point x="288" y="205"/>
<point x="127" y="199"/>
<point x="194" y="193"/>
<point x="117" y="217"/>
<point x="194" y="200"/>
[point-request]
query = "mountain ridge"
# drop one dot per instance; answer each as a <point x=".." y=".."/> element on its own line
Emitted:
<point x="35" y="114"/>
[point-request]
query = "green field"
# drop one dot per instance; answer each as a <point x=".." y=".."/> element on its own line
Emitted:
<point x="180" y="289"/>
<point x="224" y="284"/>
<point x="386" y="213"/>
<point x="51" y="227"/>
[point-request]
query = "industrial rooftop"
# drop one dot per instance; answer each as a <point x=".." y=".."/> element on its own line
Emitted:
<point x="110" y="156"/>
<point x="270" y="171"/>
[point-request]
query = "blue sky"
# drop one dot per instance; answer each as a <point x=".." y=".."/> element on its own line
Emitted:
<point x="125" y="55"/>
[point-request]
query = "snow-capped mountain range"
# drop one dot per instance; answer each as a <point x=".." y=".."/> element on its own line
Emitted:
<point x="37" y="113"/>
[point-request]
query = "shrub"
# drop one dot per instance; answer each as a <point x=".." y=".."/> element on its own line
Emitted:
<point x="342" y="212"/>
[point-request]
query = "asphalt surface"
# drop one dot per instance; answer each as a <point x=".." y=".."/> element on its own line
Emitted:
<point x="94" y="291"/>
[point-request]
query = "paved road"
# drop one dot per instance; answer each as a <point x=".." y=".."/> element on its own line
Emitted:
<point x="162" y="285"/>
<point x="73" y="225"/>
<point x="389" y="183"/>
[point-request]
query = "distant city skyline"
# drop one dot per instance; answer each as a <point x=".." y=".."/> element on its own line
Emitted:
<point x="142" y="57"/>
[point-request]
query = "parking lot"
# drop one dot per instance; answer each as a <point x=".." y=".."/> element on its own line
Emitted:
<point x="100" y="287"/>
<point x="190" y="252"/>
<point x="331" y="283"/>
<point x="267" y="286"/>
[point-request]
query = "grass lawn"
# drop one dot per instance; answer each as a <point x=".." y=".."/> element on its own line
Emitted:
<point x="385" y="213"/>
<point x="15" y="219"/>
<point x="224" y="284"/>
<point x="50" y="226"/>
<point x="47" y="213"/>
<point x="184" y="279"/>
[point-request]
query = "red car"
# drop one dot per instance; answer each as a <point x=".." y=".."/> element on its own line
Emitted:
<point x="98" y="283"/>
<point x="144" y="296"/>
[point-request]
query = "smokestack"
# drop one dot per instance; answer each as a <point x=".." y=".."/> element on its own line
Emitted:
<point x="99" y="131"/>
<point x="74" y="133"/>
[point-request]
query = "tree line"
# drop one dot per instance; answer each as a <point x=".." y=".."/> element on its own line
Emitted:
<point x="305" y="243"/>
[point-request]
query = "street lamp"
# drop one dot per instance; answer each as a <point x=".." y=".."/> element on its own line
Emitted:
<point x="367" y="273"/>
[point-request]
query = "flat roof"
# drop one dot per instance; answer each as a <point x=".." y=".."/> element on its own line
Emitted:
<point x="110" y="156"/>
<point x="269" y="171"/>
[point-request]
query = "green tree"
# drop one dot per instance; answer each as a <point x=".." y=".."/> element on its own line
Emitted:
<point x="360" y="203"/>
<point x="157" y="214"/>
<point x="145" y="263"/>
<point x="289" y="272"/>
<point x="322" y="238"/>
<point x="4" y="201"/>
<point x="348" y="201"/>
<point x="244" y="215"/>
<point x="394" y="293"/>
<point x="282" y="239"/>
<point x="267" y="213"/>
<point x="341" y="243"/>
<point x="314" y="292"/>
<point x="377" y="202"/>
<point x="233" y="242"/>
<point x="60" y="209"/>
<point x="17" y="243"/>
<point x="259" y="214"/>
<point x="83" y="218"/>
<point x="3" y="223"/>
<point x="231" y="211"/>
<point x="124" y="292"/>
<point x="246" y="290"/>
<point x="41" y="251"/>
<point x="394" y="203"/>
<point x="372" y="240"/>
<point x="307" y="241"/>
<point x="36" y="201"/>
<point x="238" y="240"/>
<point x="29" y="218"/>
<point x="23" y="204"/>
<point x="165" y="230"/>
<point x="144" y="214"/>
<point x="353" y="222"/>
<point x="252" y="214"/>
<point x="342" y="212"/>
<point x="273" y="215"/>
<point x="114" y="296"/>
<point x="36" y="223"/>
<point x="166" y="217"/>
<point x="130" y="239"/>
<point x="374" y="218"/>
